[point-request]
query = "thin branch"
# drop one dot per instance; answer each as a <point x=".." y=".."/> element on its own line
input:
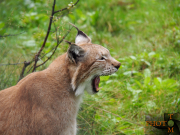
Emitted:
<point x="49" y="28"/>
<point x="36" y="57"/>
<point x="57" y="40"/>
<point x="47" y="34"/>
<point x="65" y="8"/>
<point x="54" y="49"/>
<point x="18" y="63"/>
<point x="10" y="35"/>
<point x="60" y="10"/>
<point x="29" y="69"/>
<point x="23" y="69"/>
<point x="11" y="64"/>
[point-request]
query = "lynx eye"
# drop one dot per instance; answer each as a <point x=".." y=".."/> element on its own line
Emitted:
<point x="102" y="58"/>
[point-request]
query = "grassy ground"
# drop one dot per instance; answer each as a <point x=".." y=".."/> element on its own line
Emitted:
<point x="144" y="35"/>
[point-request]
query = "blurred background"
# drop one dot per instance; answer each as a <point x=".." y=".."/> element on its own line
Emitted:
<point x="144" y="35"/>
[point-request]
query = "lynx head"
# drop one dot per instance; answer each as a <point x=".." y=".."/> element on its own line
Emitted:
<point x="91" y="62"/>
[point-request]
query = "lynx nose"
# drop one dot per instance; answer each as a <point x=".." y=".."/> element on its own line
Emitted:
<point x="117" y="65"/>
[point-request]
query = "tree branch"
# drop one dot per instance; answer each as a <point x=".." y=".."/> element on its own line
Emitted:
<point x="36" y="57"/>
<point x="11" y="64"/>
<point x="58" y="43"/>
<point x="47" y="34"/>
<point x="23" y="69"/>
<point x="10" y="35"/>
<point x="65" y="8"/>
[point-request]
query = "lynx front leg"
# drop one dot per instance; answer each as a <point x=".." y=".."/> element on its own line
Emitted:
<point x="74" y="129"/>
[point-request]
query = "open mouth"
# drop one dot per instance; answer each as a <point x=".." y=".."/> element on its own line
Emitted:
<point x="95" y="83"/>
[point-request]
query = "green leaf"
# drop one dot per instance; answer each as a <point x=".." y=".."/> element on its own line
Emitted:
<point x="97" y="117"/>
<point x="178" y="101"/>
<point x="1" y="25"/>
<point x="130" y="72"/>
<point x="147" y="81"/>
<point x="147" y="63"/>
<point x="73" y="18"/>
<point x="169" y="84"/>
<point x="133" y="57"/>
<point x="2" y="30"/>
<point x="157" y="81"/>
<point x="81" y="14"/>
<point x="108" y="81"/>
<point x="104" y="78"/>
<point x="147" y="73"/>
<point x="151" y="104"/>
<point x="139" y="84"/>
<point x="123" y="127"/>
<point x="94" y="17"/>
<point x="151" y="54"/>
<point x="30" y="43"/>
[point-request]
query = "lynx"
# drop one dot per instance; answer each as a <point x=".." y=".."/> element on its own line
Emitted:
<point x="47" y="102"/>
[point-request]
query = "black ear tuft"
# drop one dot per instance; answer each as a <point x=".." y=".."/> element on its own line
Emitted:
<point x="81" y="37"/>
<point x="75" y="53"/>
<point x="68" y="42"/>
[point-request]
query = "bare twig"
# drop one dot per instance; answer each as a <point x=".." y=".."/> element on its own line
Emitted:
<point x="54" y="49"/>
<point x="29" y="69"/>
<point x="47" y="34"/>
<point x="9" y="35"/>
<point x="23" y="69"/>
<point x="36" y="57"/>
<point x="61" y="10"/>
<point x="11" y="64"/>
<point x="66" y="7"/>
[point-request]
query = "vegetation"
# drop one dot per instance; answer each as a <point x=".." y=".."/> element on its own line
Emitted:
<point x="144" y="35"/>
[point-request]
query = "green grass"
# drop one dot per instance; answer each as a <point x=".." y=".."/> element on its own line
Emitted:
<point x="144" y="35"/>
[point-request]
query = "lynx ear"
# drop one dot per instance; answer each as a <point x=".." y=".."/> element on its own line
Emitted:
<point x="75" y="53"/>
<point x="81" y="37"/>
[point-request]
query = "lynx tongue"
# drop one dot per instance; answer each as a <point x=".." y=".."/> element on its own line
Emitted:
<point x="96" y="82"/>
